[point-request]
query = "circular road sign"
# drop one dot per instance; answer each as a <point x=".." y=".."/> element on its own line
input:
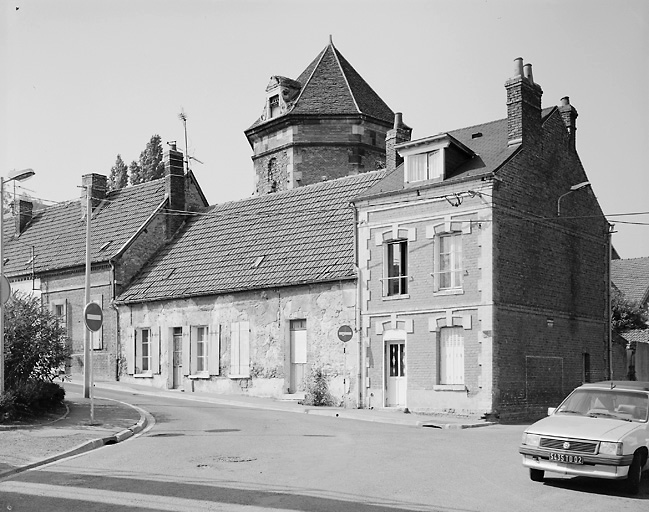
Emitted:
<point x="93" y="316"/>
<point x="345" y="333"/>
<point x="5" y="289"/>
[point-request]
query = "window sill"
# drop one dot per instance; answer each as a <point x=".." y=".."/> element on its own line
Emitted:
<point x="449" y="387"/>
<point x="452" y="291"/>
<point x="148" y="375"/>
<point x="199" y="376"/>
<point x="239" y="376"/>
<point x="396" y="297"/>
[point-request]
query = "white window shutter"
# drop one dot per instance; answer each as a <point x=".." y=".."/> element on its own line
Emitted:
<point x="130" y="351"/>
<point x="213" y="352"/>
<point x="186" y="369"/>
<point x="244" y="348"/>
<point x="234" y="349"/>
<point x="155" y="350"/>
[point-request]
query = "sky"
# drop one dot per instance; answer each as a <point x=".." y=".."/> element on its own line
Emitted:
<point x="85" y="80"/>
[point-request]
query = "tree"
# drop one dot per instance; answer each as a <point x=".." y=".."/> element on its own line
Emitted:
<point x="118" y="177"/>
<point x="627" y="314"/>
<point x="151" y="160"/>
<point x="36" y="345"/>
<point x="135" y="173"/>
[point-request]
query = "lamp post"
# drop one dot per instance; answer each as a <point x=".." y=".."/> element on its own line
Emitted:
<point x="12" y="176"/>
<point x="572" y="189"/>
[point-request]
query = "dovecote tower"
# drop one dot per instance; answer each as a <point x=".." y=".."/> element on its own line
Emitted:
<point x="326" y="124"/>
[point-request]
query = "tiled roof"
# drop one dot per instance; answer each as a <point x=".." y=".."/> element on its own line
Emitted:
<point x="631" y="277"/>
<point x="331" y="86"/>
<point x="298" y="236"/>
<point x="56" y="236"/>
<point x="489" y="143"/>
<point x="636" y="335"/>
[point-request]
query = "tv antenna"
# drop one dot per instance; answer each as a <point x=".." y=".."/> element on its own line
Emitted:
<point x="183" y="117"/>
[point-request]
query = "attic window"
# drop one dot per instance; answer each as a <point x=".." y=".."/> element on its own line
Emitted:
<point x="424" y="166"/>
<point x="105" y="246"/>
<point x="258" y="262"/>
<point x="476" y="135"/>
<point x="273" y="106"/>
<point x="169" y="273"/>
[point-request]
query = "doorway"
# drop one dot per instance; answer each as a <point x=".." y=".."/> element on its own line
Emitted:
<point x="395" y="369"/>
<point x="298" y="353"/>
<point x="177" y="357"/>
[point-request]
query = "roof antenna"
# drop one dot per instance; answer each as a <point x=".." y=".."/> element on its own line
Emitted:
<point x="183" y="117"/>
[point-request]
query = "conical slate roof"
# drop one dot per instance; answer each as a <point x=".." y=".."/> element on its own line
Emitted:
<point x="331" y="86"/>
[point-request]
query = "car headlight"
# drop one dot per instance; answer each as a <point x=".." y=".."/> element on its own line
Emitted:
<point x="531" y="439"/>
<point x="607" y="448"/>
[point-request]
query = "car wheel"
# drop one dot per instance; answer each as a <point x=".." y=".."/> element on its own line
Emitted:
<point x="635" y="475"/>
<point x="536" y="475"/>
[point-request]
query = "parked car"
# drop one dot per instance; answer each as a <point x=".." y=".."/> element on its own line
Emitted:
<point x="600" y="430"/>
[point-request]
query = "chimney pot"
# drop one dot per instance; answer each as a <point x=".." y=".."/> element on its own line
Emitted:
<point x="527" y="72"/>
<point x="518" y="66"/>
<point x="565" y="101"/>
<point x="398" y="120"/>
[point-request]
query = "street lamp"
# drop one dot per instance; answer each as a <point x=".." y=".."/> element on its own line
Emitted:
<point x="572" y="189"/>
<point x="12" y="176"/>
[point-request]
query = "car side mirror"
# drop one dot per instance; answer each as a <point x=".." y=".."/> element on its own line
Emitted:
<point x="551" y="410"/>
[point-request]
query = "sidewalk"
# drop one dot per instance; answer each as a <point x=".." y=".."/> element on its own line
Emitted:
<point x="26" y="446"/>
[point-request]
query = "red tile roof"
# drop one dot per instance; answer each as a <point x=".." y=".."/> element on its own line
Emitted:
<point x="57" y="235"/>
<point x="298" y="236"/>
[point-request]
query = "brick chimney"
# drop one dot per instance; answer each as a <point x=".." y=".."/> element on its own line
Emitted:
<point x="22" y="214"/>
<point x="96" y="186"/>
<point x="569" y="115"/>
<point x="398" y="134"/>
<point x="174" y="186"/>
<point x="523" y="106"/>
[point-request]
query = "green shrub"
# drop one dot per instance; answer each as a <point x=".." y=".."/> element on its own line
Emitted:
<point x="30" y="399"/>
<point x="317" y="388"/>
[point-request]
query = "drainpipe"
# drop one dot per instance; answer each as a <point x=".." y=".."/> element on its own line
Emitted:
<point x="359" y="327"/>
<point x="118" y="344"/>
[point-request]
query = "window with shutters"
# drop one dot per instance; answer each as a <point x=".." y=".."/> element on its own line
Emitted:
<point x="143" y="351"/>
<point x="240" y="350"/>
<point x="451" y="355"/>
<point x="200" y="350"/>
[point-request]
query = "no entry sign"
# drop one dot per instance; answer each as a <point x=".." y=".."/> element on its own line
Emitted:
<point x="345" y="333"/>
<point x="93" y="316"/>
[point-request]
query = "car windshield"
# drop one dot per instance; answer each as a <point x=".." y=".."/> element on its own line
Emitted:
<point x="606" y="403"/>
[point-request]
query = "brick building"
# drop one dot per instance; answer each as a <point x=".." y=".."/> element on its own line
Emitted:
<point x="45" y="251"/>
<point x="484" y="260"/>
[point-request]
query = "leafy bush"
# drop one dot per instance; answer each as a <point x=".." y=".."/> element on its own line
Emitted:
<point x="36" y="348"/>
<point x="30" y="399"/>
<point x="317" y="388"/>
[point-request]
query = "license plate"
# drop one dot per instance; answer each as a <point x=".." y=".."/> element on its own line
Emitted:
<point x="565" y="457"/>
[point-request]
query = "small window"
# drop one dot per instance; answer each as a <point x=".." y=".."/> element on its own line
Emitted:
<point x="424" y="166"/>
<point x="202" y="350"/>
<point x="143" y="351"/>
<point x="273" y="105"/>
<point x="396" y="268"/>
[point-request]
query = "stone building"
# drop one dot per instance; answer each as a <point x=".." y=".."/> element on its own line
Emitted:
<point x="484" y="260"/>
<point x="327" y="124"/>
<point x="45" y="251"/>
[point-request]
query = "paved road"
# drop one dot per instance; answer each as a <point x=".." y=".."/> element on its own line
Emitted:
<point x="201" y="456"/>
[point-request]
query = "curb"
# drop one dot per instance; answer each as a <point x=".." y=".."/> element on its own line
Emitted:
<point x="90" y="445"/>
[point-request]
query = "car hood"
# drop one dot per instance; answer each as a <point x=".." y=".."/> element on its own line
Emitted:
<point x="583" y="427"/>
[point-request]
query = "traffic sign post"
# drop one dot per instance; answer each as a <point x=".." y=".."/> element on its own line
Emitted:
<point x="345" y="333"/>
<point x="93" y="317"/>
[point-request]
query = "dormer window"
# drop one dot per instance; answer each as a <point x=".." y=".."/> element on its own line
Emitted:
<point x="273" y="106"/>
<point x="424" y="166"/>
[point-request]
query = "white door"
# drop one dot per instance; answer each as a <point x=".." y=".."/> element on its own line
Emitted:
<point x="395" y="368"/>
<point x="298" y="355"/>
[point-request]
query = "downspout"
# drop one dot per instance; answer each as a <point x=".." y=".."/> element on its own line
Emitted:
<point x="118" y="342"/>
<point x="359" y="327"/>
